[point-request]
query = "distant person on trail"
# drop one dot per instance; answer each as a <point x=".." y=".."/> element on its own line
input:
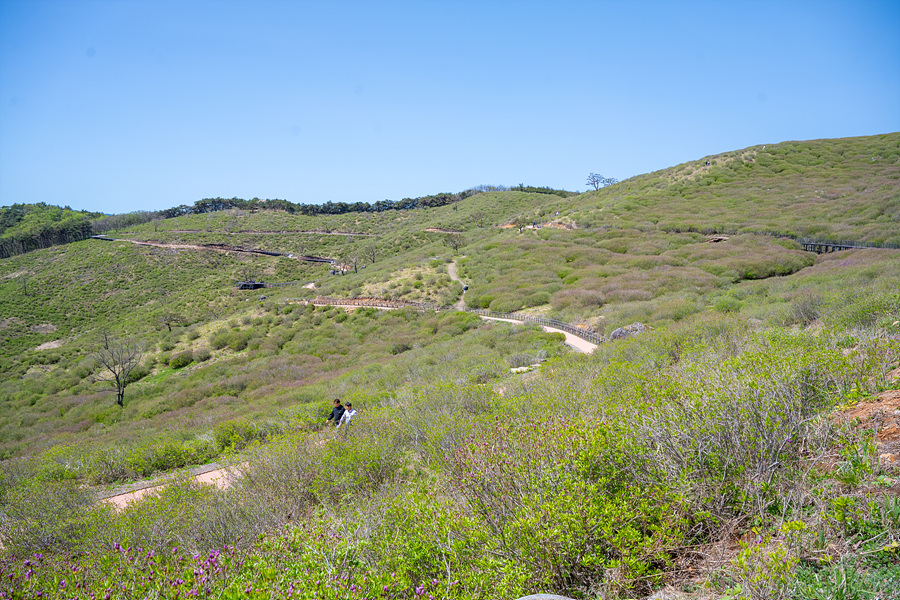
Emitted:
<point x="336" y="413"/>
<point x="349" y="413"/>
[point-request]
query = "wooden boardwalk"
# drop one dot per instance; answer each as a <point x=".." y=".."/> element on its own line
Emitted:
<point x="826" y="247"/>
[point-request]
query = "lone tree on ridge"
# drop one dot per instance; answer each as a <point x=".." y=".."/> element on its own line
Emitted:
<point x="119" y="357"/>
<point x="597" y="181"/>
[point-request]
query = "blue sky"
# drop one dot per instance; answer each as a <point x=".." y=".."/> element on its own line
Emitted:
<point x="119" y="105"/>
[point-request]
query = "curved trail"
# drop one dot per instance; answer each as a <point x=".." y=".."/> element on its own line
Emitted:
<point x="225" y="249"/>
<point x="574" y="342"/>
<point x="273" y="232"/>
<point x="451" y="271"/>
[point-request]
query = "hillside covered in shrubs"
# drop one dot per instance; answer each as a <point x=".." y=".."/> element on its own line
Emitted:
<point x="712" y="455"/>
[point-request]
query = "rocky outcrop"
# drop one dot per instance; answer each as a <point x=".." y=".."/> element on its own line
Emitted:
<point x="629" y="330"/>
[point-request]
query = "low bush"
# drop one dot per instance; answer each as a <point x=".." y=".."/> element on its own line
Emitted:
<point x="182" y="359"/>
<point x="40" y="515"/>
<point x="727" y="304"/>
<point x="238" y="340"/>
<point x="139" y="372"/>
<point x="560" y="515"/>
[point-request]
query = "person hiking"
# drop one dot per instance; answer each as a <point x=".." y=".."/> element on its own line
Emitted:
<point x="336" y="413"/>
<point x="349" y="413"/>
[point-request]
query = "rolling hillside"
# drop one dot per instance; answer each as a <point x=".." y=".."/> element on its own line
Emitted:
<point x="716" y="415"/>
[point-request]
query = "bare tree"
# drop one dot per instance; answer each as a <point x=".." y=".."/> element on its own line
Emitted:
<point x="371" y="252"/>
<point x="454" y="240"/>
<point x="351" y="257"/>
<point x="119" y="357"/>
<point x="598" y="181"/>
<point x="168" y="319"/>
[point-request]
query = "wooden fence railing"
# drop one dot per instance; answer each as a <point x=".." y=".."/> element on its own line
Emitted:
<point x="820" y="247"/>
<point x="580" y="332"/>
<point x="372" y="303"/>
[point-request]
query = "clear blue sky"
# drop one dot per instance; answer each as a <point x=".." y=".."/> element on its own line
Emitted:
<point x="119" y="105"/>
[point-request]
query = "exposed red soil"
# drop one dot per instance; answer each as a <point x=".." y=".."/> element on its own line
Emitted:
<point x="881" y="414"/>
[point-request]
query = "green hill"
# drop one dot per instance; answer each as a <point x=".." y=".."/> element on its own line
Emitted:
<point x="828" y="189"/>
<point x="26" y="227"/>
<point x="588" y="475"/>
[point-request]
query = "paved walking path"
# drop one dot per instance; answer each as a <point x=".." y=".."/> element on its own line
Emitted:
<point x="574" y="342"/>
<point x="211" y="474"/>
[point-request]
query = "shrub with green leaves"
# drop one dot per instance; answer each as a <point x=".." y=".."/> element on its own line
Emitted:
<point x="558" y="511"/>
<point x="181" y="360"/>
<point x="39" y="515"/>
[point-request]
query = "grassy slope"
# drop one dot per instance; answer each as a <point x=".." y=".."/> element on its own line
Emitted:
<point x="833" y="189"/>
<point x="272" y="366"/>
<point x="605" y="277"/>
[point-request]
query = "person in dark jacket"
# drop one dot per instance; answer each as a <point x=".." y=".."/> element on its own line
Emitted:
<point x="336" y="413"/>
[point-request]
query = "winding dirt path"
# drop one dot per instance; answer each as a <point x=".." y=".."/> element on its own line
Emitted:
<point x="279" y="232"/>
<point x="219" y="248"/>
<point x="188" y="246"/>
<point x="451" y="271"/>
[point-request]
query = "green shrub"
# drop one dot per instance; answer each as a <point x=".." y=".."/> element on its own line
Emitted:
<point x="400" y="347"/>
<point x="181" y="359"/>
<point x="235" y="435"/>
<point x="410" y="541"/>
<point x="238" y="340"/>
<point x="537" y="299"/>
<point x="727" y="304"/>
<point x="139" y="372"/>
<point x="219" y="340"/>
<point x="558" y="511"/>
<point x="42" y="515"/>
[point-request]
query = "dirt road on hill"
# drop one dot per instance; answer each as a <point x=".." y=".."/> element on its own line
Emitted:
<point x="280" y="232"/>
<point x="191" y="247"/>
<point x="223" y="248"/>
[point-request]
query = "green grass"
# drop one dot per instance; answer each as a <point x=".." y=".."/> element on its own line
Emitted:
<point x="825" y="189"/>
<point x="592" y="476"/>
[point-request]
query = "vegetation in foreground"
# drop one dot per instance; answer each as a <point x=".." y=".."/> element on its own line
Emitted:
<point x="604" y="476"/>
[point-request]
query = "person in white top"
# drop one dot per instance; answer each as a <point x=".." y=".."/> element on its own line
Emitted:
<point x="349" y="413"/>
